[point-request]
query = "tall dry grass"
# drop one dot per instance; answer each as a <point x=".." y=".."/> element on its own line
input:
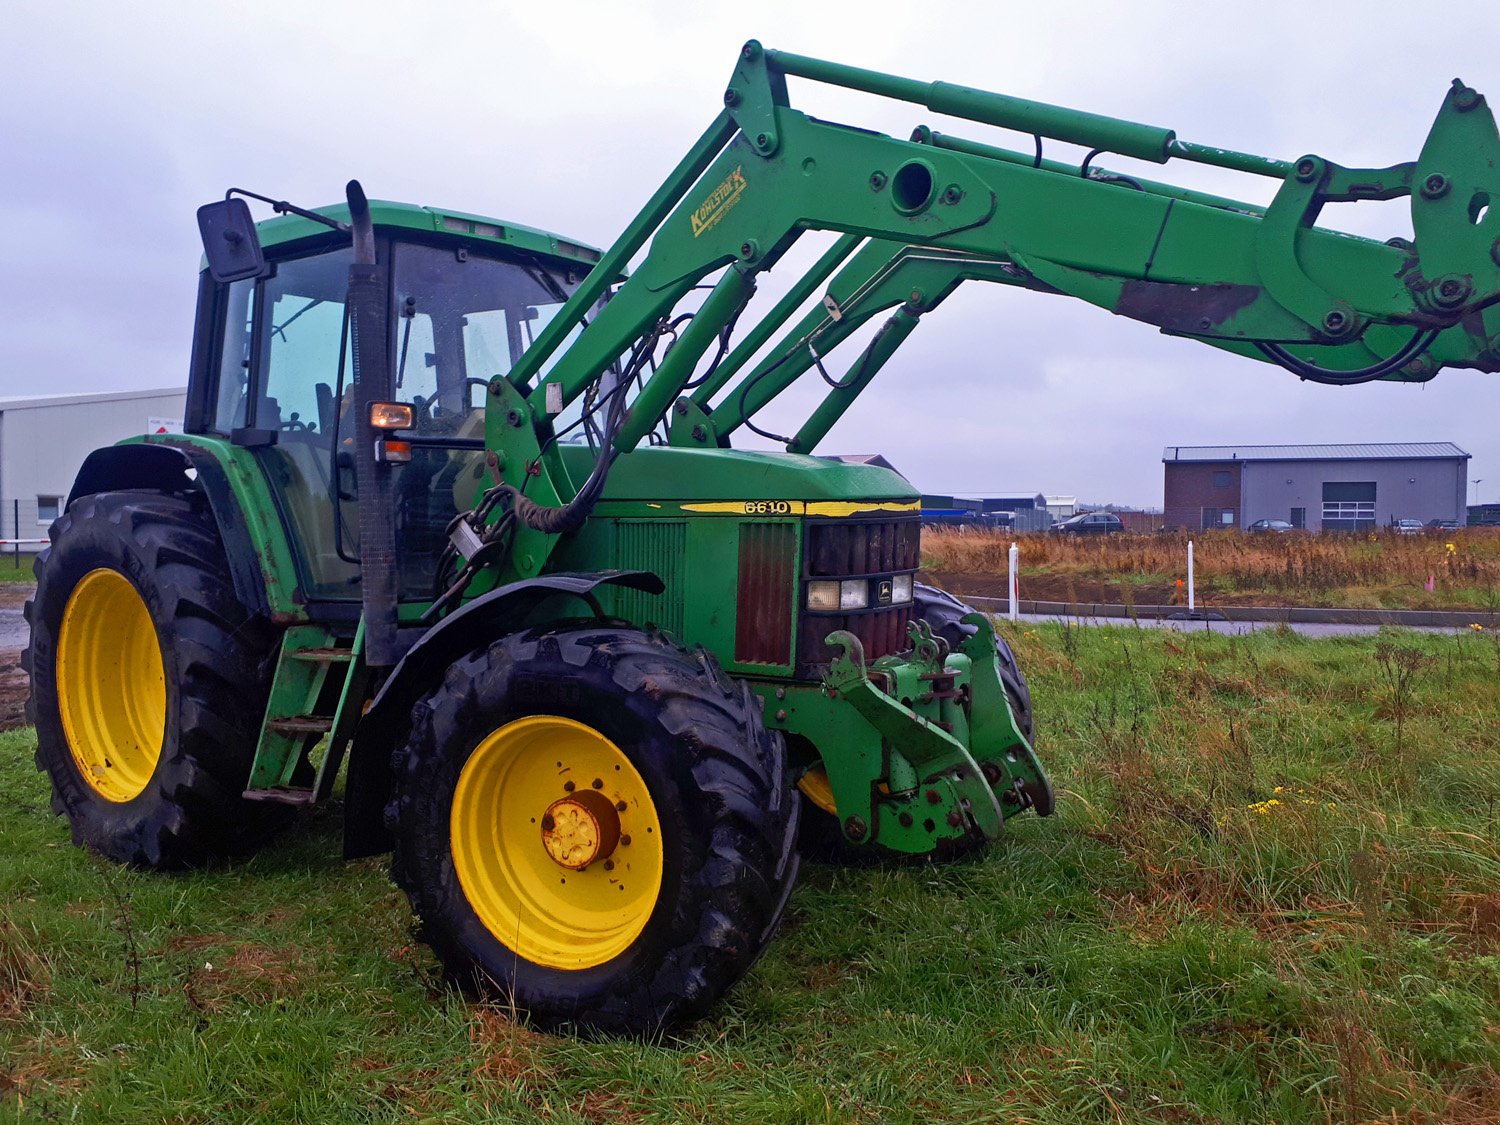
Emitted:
<point x="1469" y="558"/>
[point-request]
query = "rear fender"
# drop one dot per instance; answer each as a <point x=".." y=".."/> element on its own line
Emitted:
<point x="187" y="469"/>
<point x="385" y="725"/>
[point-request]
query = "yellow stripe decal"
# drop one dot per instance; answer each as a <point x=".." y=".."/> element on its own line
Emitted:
<point x="854" y="507"/>
<point x="801" y="507"/>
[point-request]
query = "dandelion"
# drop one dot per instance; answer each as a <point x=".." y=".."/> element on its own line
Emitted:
<point x="1476" y="626"/>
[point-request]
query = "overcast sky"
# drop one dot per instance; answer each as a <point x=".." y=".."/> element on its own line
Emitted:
<point x="120" y="120"/>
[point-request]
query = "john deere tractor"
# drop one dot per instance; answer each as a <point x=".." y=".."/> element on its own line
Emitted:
<point x="457" y="507"/>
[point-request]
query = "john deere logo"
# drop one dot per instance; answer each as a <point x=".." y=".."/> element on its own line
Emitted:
<point x="883" y="593"/>
<point x="719" y="202"/>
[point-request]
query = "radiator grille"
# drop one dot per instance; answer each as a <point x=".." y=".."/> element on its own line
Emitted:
<point x="851" y="549"/>
<point x="657" y="546"/>
<point x="764" y="605"/>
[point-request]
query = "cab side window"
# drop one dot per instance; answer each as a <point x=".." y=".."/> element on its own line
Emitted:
<point x="232" y="398"/>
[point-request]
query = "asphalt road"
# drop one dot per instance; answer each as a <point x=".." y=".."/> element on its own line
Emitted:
<point x="1238" y="627"/>
<point x="12" y="629"/>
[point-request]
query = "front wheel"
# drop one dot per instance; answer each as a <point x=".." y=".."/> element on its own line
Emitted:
<point x="592" y="823"/>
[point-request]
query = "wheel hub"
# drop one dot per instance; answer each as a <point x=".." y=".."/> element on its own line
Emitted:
<point x="580" y="829"/>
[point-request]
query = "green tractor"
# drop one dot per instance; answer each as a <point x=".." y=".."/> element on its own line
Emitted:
<point x="456" y="511"/>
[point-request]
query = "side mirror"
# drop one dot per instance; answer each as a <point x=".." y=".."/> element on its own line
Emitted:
<point x="229" y="240"/>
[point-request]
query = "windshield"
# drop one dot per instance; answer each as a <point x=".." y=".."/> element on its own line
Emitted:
<point x="462" y="319"/>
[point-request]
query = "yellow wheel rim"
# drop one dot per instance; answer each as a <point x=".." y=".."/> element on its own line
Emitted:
<point x="111" y="687"/>
<point x="556" y="842"/>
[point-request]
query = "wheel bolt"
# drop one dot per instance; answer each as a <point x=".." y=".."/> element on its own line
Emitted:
<point x="620" y="806"/>
<point x="568" y="787"/>
<point x="598" y="783"/>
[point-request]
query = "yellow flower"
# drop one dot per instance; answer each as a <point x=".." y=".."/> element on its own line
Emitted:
<point x="1476" y="626"/>
<point x="1278" y="789"/>
<point x="1451" y="548"/>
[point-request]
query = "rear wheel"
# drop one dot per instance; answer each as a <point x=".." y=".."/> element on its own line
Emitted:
<point x="821" y="834"/>
<point x="593" y="824"/>
<point x="148" y="680"/>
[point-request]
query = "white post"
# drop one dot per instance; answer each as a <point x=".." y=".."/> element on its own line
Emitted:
<point x="1013" y="588"/>
<point x="1192" y="605"/>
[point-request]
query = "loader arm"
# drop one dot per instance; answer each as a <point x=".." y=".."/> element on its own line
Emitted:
<point x="918" y="217"/>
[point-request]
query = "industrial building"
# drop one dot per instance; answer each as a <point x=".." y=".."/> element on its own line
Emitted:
<point x="1317" y="487"/>
<point x="43" y="440"/>
<point x="1011" y="511"/>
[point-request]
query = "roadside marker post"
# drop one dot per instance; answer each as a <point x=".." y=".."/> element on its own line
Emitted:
<point x="1013" y="587"/>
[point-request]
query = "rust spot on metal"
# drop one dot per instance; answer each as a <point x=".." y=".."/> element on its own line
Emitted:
<point x="1183" y="308"/>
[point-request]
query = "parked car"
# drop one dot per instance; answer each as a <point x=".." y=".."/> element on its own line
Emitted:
<point x="1280" y="527"/>
<point x="1444" y="525"/>
<point x="1090" y="523"/>
<point x="1407" y="527"/>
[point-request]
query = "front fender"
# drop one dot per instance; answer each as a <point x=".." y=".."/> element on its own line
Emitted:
<point x="384" y="726"/>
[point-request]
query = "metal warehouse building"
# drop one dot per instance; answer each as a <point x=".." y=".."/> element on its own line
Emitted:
<point x="1319" y="487"/>
<point x="44" y="439"/>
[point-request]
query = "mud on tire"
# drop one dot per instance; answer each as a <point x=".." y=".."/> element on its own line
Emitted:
<point x="715" y="776"/>
<point x="217" y="661"/>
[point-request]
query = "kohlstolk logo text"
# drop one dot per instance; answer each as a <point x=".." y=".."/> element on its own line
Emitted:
<point x="719" y="202"/>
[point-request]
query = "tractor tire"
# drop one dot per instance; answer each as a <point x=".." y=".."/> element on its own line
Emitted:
<point x="942" y="612"/>
<point x="823" y="839"/>
<point x="148" y="682"/>
<point x="593" y="825"/>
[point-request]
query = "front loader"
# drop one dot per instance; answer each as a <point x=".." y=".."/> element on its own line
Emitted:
<point x="456" y="510"/>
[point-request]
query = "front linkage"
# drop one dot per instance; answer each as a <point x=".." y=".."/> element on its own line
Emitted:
<point x="936" y="757"/>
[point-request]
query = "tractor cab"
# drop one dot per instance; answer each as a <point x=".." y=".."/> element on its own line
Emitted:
<point x="273" y="372"/>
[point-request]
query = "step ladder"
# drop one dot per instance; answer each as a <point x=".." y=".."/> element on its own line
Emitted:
<point x="314" y="667"/>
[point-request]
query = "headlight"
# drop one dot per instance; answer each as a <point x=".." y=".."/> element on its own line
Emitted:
<point x="823" y="595"/>
<point x="854" y="593"/>
<point x="901" y="589"/>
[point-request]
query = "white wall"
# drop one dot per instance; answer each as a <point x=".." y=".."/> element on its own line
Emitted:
<point x="42" y="446"/>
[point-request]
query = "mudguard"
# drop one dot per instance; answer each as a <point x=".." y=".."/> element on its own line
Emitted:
<point x="383" y="727"/>
<point x="165" y="468"/>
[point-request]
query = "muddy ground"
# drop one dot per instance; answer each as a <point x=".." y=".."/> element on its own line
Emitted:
<point x="13" y="687"/>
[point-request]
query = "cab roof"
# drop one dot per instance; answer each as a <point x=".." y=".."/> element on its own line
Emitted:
<point x="476" y="229"/>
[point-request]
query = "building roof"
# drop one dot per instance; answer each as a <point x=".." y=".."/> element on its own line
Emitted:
<point x="30" y="402"/>
<point x="1372" y="451"/>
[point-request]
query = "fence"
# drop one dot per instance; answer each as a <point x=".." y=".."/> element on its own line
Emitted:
<point x="28" y="526"/>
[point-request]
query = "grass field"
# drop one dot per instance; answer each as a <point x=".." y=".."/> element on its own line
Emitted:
<point x="1381" y="570"/>
<point x="1272" y="893"/>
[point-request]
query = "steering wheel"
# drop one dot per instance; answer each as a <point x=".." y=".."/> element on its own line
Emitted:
<point x="295" y="424"/>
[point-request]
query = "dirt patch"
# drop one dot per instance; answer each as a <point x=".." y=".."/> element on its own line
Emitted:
<point x="254" y="974"/>
<point x="508" y="1052"/>
<point x="24" y="974"/>
<point x="14" y="688"/>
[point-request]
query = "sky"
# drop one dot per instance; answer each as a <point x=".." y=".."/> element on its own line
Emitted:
<point x="117" y="121"/>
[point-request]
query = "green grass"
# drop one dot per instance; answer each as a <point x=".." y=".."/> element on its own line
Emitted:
<point x="1171" y="947"/>
<point x="9" y="572"/>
